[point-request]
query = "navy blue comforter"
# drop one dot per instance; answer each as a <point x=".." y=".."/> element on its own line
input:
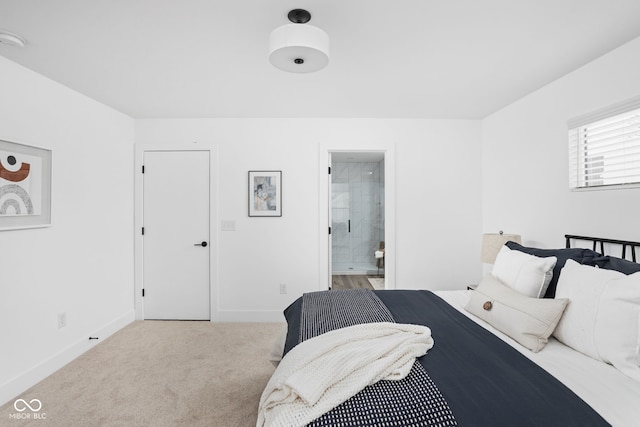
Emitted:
<point x="485" y="381"/>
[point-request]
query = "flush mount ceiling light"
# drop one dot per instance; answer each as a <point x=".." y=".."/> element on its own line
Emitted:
<point x="10" y="39"/>
<point x="299" y="47"/>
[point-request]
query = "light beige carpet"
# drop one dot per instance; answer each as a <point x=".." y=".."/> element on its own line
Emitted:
<point x="160" y="373"/>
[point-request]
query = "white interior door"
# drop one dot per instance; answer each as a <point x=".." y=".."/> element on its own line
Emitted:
<point x="176" y="243"/>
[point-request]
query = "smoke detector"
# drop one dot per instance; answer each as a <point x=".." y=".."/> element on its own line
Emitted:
<point x="10" y="39"/>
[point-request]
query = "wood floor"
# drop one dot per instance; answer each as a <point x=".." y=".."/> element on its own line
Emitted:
<point x="350" y="281"/>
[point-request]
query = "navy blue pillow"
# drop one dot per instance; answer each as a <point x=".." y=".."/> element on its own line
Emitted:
<point x="581" y="255"/>
<point x="617" y="264"/>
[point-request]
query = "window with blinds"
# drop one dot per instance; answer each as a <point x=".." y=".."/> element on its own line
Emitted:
<point x="604" y="147"/>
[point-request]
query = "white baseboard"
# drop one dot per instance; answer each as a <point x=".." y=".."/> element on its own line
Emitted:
<point x="261" y="316"/>
<point x="24" y="381"/>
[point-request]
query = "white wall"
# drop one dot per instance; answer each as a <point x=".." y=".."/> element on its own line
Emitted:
<point x="83" y="264"/>
<point x="437" y="202"/>
<point x="525" y="155"/>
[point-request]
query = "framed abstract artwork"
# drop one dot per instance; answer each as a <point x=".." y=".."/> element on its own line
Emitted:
<point x="265" y="193"/>
<point x="25" y="186"/>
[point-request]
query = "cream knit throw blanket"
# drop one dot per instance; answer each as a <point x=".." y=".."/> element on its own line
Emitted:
<point x="321" y="373"/>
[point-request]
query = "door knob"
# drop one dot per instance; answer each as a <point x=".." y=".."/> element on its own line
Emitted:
<point x="203" y="244"/>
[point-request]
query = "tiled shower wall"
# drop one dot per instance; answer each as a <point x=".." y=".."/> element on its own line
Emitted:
<point x="357" y="196"/>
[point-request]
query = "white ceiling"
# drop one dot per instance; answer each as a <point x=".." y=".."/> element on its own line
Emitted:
<point x="402" y="58"/>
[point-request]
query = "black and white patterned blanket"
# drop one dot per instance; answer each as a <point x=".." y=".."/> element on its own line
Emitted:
<point x="413" y="401"/>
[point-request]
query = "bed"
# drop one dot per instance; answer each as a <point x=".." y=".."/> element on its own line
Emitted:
<point x="549" y="338"/>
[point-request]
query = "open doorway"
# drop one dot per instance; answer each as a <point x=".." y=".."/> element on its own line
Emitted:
<point x="357" y="218"/>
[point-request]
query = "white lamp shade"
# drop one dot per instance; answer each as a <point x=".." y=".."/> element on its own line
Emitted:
<point x="304" y="42"/>
<point x="492" y="243"/>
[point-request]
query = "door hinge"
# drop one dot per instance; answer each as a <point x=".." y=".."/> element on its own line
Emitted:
<point x="143" y="292"/>
<point x="329" y="230"/>
<point x="142" y="168"/>
<point x="329" y="170"/>
<point x="143" y="231"/>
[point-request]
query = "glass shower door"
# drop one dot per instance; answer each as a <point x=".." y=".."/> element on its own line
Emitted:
<point x="340" y="219"/>
<point x="357" y="211"/>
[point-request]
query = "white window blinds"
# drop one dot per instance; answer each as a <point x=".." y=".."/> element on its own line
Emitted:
<point x="604" y="147"/>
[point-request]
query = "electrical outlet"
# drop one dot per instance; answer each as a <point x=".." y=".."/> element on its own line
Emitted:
<point x="62" y="320"/>
<point x="283" y="288"/>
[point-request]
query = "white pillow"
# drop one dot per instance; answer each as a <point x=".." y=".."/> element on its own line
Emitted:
<point x="603" y="317"/>
<point x="527" y="274"/>
<point x="529" y="321"/>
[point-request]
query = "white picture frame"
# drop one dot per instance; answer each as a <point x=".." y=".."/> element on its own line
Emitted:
<point x="25" y="186"/>
<point x="265" y="193"/>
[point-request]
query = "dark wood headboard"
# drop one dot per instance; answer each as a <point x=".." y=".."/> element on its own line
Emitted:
<point x="596" y="240"/>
